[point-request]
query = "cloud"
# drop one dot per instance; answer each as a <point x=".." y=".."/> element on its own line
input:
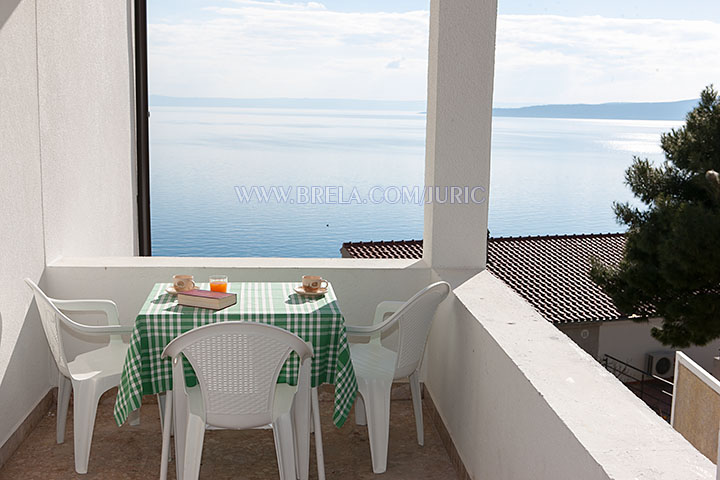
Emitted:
<point x="282" y="5"/>
<point x="283" y="49"/>
<point x="255" y="48"/>
<point x="552" y="59"/>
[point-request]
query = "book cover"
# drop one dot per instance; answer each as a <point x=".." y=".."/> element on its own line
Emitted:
<point x="206" y="299"/>
<point x="206" y="294"/>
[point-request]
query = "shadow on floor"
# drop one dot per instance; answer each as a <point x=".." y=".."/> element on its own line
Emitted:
<point x="134" y="452"/>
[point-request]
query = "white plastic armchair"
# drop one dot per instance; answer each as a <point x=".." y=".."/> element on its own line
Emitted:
<point x="381" y="322"/>
<point x="90" y="374"/>
<point x="237" y="365"/>
<point x="377" y="366"/>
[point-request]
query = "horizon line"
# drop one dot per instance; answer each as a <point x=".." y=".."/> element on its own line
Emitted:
<point x="378" y="101"/>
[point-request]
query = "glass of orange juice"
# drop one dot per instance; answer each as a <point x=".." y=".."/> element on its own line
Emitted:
<point x="219" y="283"/>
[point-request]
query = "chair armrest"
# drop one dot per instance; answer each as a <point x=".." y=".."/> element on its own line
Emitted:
<point x="108" y="307"/>
<point x="380" y="323"/>
<point x="100" y="329"/>
<point x="364" y="330"/>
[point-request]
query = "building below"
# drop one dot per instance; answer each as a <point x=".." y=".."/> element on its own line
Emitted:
<point x="552" y="273"/>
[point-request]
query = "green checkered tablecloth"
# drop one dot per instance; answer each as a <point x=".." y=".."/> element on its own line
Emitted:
<point x="317" y="321"/>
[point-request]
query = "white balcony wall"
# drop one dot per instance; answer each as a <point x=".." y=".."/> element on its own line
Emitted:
<point x="359" y="284"/>
<point x="521" y="400"/>
<point x="66" y="163"/>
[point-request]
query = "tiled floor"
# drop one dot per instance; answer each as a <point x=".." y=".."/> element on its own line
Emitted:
<point x="134" y="452"/>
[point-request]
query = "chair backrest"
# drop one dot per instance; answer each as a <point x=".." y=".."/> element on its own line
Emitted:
<point x="237" y="365"/>
<point x="51" y="317"/>
<point x="414" y="321"/>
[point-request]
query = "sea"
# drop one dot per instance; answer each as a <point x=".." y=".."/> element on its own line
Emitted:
<point x="298" y="182"/>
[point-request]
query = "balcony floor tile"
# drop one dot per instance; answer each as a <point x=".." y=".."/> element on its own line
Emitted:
<point x="134" y="452"/>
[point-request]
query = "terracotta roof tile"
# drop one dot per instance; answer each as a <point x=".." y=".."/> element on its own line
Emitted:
<point x="392" y="249"/>
<point x="550" y="272"/>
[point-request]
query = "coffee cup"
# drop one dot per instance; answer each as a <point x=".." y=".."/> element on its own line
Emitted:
<point x="183" y="283"/>
<point x="313" y="283"/>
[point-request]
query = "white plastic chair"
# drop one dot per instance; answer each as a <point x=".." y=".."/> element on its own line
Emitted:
<point x="90" y="374"/>
<point x="377" y="366"/>
<point x="237" y="365"/>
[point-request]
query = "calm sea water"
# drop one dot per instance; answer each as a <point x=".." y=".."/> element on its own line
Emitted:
<point x="549" y="176"/>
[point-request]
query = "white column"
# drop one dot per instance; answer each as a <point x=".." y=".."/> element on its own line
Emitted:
<point x="459" y="117"/>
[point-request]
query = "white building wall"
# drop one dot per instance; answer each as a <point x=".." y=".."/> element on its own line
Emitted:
<point x="86" y="122"/>
<point x="631" y="342"/>
<point x="24" y="357"/>
<point x="66" y="150"/>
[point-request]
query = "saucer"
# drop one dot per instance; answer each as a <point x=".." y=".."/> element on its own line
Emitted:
<point x="171" y="290"/>
<point x="317" y="293"/>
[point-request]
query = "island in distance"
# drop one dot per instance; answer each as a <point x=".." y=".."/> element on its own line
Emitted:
<point x="618" y="111"/>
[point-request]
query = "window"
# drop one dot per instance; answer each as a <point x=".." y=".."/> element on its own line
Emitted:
<point x="282" y="129"/>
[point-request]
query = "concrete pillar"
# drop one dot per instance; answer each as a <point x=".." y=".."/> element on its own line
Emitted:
<point x="459" y="119"/>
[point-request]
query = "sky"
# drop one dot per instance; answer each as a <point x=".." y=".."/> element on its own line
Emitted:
<point x="574" y="51"/>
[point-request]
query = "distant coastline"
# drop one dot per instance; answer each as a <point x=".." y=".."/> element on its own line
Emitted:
<point x="617" y="111"/>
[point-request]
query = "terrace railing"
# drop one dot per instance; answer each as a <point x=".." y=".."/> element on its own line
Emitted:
<point x="655" y="391"/>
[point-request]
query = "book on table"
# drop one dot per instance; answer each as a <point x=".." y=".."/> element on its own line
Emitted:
<point x="206" y="299"/>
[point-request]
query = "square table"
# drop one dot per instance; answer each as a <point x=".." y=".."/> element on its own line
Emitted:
<point x="318" y="321"/>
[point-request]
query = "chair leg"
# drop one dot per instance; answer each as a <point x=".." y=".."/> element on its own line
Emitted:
<point x="284" y="447"/>
<point x="193" y="447"/>
<point x="84" y="408"/>
<point x="417" y="405"/>
<point x="319" y="454"/>
<point x="162" y="399"/>
<point x="301" y="422"/>
<point x="134" y="418"/>
<point x="179" y="429"/>
<point x="360" y="418"/>
<point x="63" y="402"/>
<point x="166" y="427"/>
<point x="377" y="409"/>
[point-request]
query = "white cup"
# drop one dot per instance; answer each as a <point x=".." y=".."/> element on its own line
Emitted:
<point x="313" y="283"/>
<point x="183" y="283"/>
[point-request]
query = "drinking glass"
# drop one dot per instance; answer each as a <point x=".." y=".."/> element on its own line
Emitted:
<point x="219" y="283"/>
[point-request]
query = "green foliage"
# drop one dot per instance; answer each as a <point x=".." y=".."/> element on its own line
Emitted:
<point x="671" y="264"/>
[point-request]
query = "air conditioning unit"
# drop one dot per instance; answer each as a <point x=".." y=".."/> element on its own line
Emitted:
<point x="661" y="363"/>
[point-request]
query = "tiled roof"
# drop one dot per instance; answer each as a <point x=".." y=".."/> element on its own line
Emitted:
<point x="550" y="272"/>
<point x="392" y="249"/>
